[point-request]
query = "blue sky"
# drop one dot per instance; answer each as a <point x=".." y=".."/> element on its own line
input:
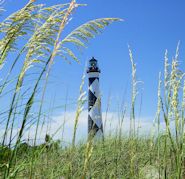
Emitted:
<point x="149" y="28"/>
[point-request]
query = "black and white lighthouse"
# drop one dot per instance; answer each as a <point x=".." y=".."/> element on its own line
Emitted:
<point x="95" y="125"/>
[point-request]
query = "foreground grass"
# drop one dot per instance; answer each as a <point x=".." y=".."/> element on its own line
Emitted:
<point x="112" y="158"/>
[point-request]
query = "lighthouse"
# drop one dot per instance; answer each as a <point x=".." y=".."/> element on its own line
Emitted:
<point x="95" y="125"/>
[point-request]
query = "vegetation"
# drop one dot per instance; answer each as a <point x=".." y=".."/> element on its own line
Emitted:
<point x="33" y="36"/>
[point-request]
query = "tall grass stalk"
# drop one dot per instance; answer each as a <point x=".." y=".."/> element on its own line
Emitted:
<point x="80" y="105"/>
<point x="133" y="95"/>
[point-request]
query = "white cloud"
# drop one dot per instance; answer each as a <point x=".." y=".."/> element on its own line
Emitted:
<point x="110" y="120"/>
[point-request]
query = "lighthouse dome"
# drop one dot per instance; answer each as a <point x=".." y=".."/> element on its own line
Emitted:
<point x="93" y="66"/>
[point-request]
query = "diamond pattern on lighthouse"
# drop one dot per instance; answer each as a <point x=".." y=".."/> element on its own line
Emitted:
<point x="99" y="133"/>
<point x="95" y="114"/>
<point x="91" y="80"/>
<point x="94" y="88"/>
<point x="92" y="99"/>
<point x="95" y="109"/>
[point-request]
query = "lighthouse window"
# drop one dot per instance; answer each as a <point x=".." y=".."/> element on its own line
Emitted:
<point x="93" y="64"/>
